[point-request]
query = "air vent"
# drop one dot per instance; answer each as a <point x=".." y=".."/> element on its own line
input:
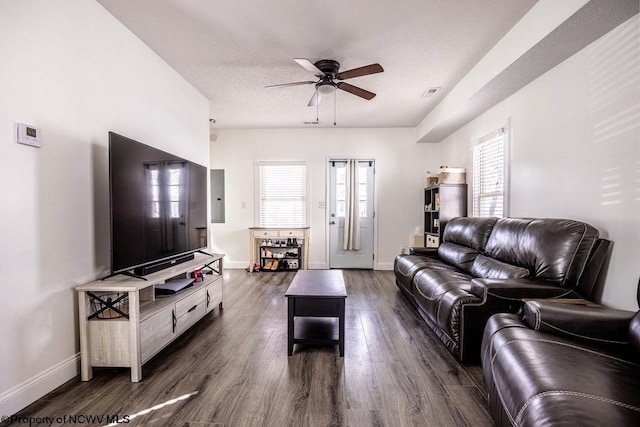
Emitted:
<point x="431" y="92"/>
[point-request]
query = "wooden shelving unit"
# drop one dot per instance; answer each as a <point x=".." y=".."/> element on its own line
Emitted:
<point x="441" y="203"/>
<point x="288" y="257"/>
<point x="258" y="235"/>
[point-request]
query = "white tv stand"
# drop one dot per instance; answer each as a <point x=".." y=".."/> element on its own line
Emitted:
<point x="148" y="323"/>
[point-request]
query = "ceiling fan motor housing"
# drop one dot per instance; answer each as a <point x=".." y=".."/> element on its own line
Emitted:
<point x="328" y="66"/>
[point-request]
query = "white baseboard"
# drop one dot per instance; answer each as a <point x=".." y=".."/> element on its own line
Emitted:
<point x="240" y="265"/>
<point x="236" y="265"/>
<point x="23" y="395"/>
<point x="384" y="266"/>
<point x="318" y="266"/>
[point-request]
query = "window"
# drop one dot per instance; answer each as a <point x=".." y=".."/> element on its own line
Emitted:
<point x="489" y="175"/>
<point x="282" y="194"/>
<point x="341" y="189"/>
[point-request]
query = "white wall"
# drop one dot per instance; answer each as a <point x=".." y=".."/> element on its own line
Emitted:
<point x="401" y="165"/>
<point x="544" y="17"/>
<point x="69" y="68"/>
<point x="575" y="149"/>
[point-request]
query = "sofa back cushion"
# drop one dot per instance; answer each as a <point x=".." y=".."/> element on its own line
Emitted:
<point x="490" y="268"/>
<point x="470" y="232"/>
<point x="459" y="256"/>
<point x="463" y="239"/>
<point x="551" y="249"/>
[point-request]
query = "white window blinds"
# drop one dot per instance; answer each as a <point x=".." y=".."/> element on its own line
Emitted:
<point x="489" y="171"/>
<point x="282" y="188"/>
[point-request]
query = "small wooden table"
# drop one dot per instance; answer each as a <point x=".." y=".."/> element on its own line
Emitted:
<point x="314" y="297"/>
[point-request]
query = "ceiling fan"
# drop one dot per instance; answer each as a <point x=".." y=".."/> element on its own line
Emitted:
<point x="328" y="73"/>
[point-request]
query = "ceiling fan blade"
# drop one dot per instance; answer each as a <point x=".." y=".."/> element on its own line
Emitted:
<point x="292" y="84"/>
<point x="308" y="65"/>
<point x="315" y="99"/>
<point x="355" y="90"/>
<point x="361" y="71"/>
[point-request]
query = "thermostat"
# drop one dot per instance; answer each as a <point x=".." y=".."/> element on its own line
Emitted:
<point x="28" y="135"/>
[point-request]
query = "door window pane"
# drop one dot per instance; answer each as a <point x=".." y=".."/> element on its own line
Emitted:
<point x="341" y="191"/>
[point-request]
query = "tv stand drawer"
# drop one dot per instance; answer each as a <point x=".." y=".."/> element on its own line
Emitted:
<point x="187" y="303"/>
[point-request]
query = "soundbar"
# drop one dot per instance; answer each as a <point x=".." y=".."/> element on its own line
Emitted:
<point x="152" y="268"/>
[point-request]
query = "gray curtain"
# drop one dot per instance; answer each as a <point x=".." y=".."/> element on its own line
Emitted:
<point x="352" y="215"/>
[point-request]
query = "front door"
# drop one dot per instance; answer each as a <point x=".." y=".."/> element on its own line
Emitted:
<point x="339" y="257"/>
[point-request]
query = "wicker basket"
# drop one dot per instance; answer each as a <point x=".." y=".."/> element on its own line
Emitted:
<point x="452" y="175"/>
<point x="431" y="180"/>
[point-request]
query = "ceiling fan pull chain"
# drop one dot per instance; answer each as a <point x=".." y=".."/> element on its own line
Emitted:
<point x="334" y="107"/>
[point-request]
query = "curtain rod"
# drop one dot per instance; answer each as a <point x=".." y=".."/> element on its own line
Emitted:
<point x="333" y="161"/>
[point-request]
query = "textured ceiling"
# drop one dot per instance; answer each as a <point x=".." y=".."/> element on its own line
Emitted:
<point x="230" y="50"/>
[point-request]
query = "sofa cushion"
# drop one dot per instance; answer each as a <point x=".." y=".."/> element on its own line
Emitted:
<point x="552" y="249"/>
<point x="469" y="232"/>
<point x="406" y="266"/>
<point x="458" y="256"/>
<point x="490" y="268"/>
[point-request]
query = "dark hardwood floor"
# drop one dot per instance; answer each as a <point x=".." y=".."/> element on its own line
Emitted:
<point x="232" y="369"/>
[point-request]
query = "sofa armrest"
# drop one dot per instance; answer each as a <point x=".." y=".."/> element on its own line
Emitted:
<point x="518" y="289"/>
<point x="422" y="251"/>
<point x="581" y="321"/>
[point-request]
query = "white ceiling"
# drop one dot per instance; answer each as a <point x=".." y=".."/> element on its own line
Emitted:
<point x="229" y="50"/>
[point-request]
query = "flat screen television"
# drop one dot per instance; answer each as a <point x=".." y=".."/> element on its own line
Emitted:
<point x="158" y="204"/>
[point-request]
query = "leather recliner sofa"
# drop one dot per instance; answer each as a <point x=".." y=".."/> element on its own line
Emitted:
<point x="488" y="265"/>
<point x="563" y="364"/>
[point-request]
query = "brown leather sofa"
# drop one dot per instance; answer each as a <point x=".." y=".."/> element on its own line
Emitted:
<point x="563" y="364"/>
<point x="487" y="265"/>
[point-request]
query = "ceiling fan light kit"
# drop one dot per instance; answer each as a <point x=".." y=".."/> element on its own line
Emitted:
<point x="326" y="88"/>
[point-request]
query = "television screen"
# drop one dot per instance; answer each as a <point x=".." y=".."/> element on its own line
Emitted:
<point x="158" y="204"/>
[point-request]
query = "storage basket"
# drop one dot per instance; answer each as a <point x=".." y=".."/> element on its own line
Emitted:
<point x="108" y="305"/>
<point x="432" y="241"/>
<point x="417" y="240"/>
<point x="431" y="180"/>
<point x="452" y="175"/>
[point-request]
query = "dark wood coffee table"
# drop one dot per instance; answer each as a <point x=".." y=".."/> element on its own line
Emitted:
<point x="316" y="300"/>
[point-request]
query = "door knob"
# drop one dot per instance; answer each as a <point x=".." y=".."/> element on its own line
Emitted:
<point x="332" y="222"/>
